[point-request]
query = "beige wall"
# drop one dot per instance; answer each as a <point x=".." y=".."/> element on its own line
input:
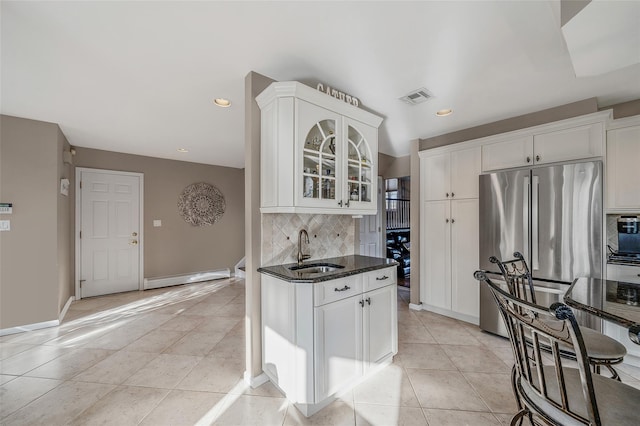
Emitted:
<point x="254" y="84"/>
<point x="415" y="223"/>
<point x="393" y="167"/>
<point x="65" y="225"/>
<point x="178" y="247"/>
<point x="625" y="109"/>
<point x="33" y="269"/>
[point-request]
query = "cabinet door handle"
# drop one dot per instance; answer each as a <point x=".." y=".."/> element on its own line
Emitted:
<point x="447" y="194"/>
<point x="345" y="288"/>
<point x="340" y="203"/>
<point x="452" y="220"/>
<point x="452" y="194"/>
<point x="528" y="159"/>
<point x="382" y="278"/>
<point x="446" y="221"/>
<point x="361" y="303"/>
<point x="537" y="158"/>
<point x="369" y="301"/>
<point x="346" y="204"/>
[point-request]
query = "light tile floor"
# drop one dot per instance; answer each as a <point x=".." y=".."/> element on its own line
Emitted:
<point x="176" y="357"/>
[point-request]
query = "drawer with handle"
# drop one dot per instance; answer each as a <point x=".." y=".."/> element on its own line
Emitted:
<point x="626" y="273"/>
<point x="379" y="278"/>
<point x="329" y="291"/>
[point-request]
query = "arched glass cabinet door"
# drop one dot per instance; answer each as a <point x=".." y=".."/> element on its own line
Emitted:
<point x="359" y="167"/>
<point x="319" y="162"/>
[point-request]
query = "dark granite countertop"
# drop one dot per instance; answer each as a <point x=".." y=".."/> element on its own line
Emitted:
<point x="354" y="264"/>
<point x="614" y="301"/>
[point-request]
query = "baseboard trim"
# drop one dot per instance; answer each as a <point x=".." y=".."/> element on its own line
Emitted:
<point x="257" y="381"/>
<point x="194" y="277"/>
<point x="451" y="314"/>
<point x="65" y="308"/>
<point x="29" y="327"/>
<point x="415" y="306"/>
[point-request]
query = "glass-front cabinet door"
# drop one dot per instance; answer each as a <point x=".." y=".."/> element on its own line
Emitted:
<point x="318" y="155"/>
<point x="320" y="170"/>
<point x="361" y="169"/>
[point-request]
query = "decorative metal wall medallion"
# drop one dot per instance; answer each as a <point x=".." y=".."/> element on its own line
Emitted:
<point x="201" y="204"/>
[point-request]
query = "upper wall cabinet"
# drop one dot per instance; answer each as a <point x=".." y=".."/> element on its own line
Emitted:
<point x="544" y="145"/>
<point x="623" y="160"/>
<point x="318" y="154"/>
<point x="452" y="175"/>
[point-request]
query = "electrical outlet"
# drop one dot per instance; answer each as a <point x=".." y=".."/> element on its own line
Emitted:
<point x="5" y="225"/>
<point x="157" y="223"/>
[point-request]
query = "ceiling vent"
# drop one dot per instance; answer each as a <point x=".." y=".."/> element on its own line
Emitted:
<point x="416" y="97"/>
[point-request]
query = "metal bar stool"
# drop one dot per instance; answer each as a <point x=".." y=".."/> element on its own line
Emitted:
<point x="555" y="394"/>
<point x="601" y="350"/>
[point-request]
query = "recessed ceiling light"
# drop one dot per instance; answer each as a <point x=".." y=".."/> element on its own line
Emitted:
<point x="444" y="112"/>
<point x="183" y="150"/>
<point x="222" y="102"/>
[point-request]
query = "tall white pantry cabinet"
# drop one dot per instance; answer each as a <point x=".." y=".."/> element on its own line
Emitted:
<point x="449" y="199"/>
<point x="449" y="232"/>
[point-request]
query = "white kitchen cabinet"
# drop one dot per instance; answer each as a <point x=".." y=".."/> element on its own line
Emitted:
<point x="338" y="345"/>
<point x="630" y="274"/>
<point x="318" y="154"/>
<point x="623" y="174"/>
<point x="543" y="145"/>
<point x="626" y="273"/>
<point x="465" y="289"/>
<point x="508" y="153"/>
<point x="380" y="327"/>
<point x="436" y="254"/>
<point x="319" y="339"/>
<point x="451" y="175"/>
<point x="450" y="257"/>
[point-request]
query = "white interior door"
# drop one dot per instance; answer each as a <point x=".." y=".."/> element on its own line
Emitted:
<point x="370" y="232"/>
<point x="109" y="237"/>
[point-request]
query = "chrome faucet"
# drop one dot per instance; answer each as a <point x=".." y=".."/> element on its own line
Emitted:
<point x="302" y="256"/>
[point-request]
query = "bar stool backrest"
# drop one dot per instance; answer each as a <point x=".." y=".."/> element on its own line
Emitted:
<point x="517" y="276"/>
<point x="541" y="383"/>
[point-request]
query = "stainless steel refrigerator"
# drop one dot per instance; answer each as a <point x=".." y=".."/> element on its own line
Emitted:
<point x="553" y="216"/>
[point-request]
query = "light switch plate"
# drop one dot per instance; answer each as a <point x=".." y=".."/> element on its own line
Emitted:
<point x="5" y="225"/>
<point x="157" y="223"/>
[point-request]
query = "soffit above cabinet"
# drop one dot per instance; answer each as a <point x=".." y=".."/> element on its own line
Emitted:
<point x="285" y="89"/>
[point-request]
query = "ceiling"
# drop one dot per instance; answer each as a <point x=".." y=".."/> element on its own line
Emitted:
<point x="140" y="77"/>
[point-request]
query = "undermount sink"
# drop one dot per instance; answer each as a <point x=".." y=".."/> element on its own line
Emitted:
<point x="316" y="268"/>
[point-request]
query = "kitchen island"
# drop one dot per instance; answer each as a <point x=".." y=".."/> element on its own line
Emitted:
<point x="326" y="325"/>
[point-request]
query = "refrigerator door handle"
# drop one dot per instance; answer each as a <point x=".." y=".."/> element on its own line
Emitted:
<point x="525" y="217"/>
<point x="535" y="196"/>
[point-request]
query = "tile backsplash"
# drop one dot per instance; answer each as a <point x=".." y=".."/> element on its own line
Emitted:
<point x="329" y="236"/>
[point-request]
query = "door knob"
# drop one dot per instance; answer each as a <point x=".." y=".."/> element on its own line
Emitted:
<point x="134" y="242"/>
<point x="537" y="158"/>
